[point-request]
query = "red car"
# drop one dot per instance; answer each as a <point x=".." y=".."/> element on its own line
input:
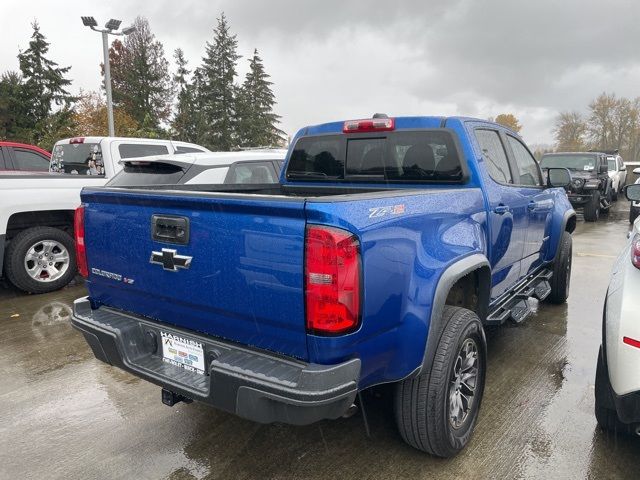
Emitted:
<point x="21" y="157"/>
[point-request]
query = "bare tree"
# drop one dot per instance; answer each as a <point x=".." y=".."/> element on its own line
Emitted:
<point x="570" y="131"/>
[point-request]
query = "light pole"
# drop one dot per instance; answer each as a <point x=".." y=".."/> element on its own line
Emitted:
<point x="110" y="27"/>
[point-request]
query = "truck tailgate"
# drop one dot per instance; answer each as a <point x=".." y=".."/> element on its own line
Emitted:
<point x="238" y="277"/>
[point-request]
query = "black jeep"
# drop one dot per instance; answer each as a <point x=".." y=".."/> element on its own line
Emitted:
<point x="590" y="187"/>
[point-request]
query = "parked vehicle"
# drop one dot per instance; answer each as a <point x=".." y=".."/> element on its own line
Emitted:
<point x="21" y="157"/>
<point x="617" y="174"/>
<point x="634" y="208"/>
<point x="617" y="389"/>
<point x="248" y="167"/>
<point x="36" y="210"/>
<point x="379" y="258"/>
<point x="591" y="187"/>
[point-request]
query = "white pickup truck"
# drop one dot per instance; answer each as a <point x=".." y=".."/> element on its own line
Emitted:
<point x="37" y="252"/>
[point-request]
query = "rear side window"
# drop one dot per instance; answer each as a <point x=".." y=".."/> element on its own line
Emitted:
<point x="139" y="174"/>
<point x="401" y="156"/>
<point x="181" y="149"/>
<point x="134" y="150"/>
<point x="243" y="173"/>
<point x="30" y="161"/>
<point x="495" y="158"/>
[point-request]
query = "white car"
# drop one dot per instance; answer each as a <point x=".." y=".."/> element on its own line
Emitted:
<point x="617" y="174"/>
<point x="634" y="208"/>
<point x="617" y="388"/>
<point x="37" y="252"/>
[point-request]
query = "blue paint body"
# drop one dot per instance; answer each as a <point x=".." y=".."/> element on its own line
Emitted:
<point x="246" y="280"/>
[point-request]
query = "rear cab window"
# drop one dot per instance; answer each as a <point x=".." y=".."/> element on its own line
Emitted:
<point x="401" y="156"/>
<point x="77" y="159"/>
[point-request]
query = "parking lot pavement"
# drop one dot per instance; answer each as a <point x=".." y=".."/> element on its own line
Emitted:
<point x="63" y="414"/>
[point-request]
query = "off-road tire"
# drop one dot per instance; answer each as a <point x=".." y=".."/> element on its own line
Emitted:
<point x="633" y="213"/>
<point x="606" y="414"/>
<point x="15" y="254"/>
<point x="592" y="208"/>
<point x="422" y="402"/>
<point x="561" y="271"/>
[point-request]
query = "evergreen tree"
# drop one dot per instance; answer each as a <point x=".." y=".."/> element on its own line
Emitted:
<point x="257" y="125"/>
<point x="44" y="83"/>
<point x="140" y="78"/>
<point x="217" y="90"/>
<point x="13" y="114"/>
<point x="184" y="123"/>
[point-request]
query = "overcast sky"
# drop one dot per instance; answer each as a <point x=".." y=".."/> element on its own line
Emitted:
<point x="332" y="60"/>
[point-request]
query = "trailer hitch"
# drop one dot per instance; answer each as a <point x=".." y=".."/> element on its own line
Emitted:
<point x="170" y="399"/>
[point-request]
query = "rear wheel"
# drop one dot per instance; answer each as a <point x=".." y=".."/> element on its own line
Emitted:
<point x="436" y="411"/>
<point x="592" y="208"/>
<point x="561" y="271"/>
<point x="41" y="260"/>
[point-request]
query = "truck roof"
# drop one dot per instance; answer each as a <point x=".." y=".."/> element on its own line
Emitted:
<point x="25" y="145"/>
<point x="401" y="122"/>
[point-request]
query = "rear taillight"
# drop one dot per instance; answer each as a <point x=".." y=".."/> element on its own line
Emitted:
<point x="332" y="280"/>
<point x="369" y="125"/>
<point x="635" y="250"/>
<point x="81" y="249"/>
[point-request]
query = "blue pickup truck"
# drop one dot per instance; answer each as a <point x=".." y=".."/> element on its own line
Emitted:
<point x="380" y="257"/>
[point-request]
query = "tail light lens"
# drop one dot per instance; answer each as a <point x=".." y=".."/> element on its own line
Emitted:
<point x="81" y="250"/>
<point x="332" y="280"/>
<point x="635" y="251"/>
<point x="369" y="125"/>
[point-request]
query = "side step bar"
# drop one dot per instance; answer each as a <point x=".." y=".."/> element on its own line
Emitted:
<point x="515" y="304"/>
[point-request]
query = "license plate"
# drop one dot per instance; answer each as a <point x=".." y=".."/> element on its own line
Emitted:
<point x="182" y="352"/>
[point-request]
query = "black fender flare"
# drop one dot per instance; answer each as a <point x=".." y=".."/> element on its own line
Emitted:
<point x="449" y="277"/>
<point x="565" y="226"/>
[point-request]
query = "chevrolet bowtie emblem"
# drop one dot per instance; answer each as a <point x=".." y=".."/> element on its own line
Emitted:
<point x="170" y="260"/>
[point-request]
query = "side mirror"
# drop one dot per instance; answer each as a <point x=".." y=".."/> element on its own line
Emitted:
<point x="558" y="177"/>
<point x="636" y="171"/>
<point x="604" y="168"/>
<point x="633" y="192"/>
<point x="623" y="168"/>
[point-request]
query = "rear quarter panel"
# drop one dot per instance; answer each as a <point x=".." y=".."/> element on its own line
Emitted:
<point x="404" y="252"/>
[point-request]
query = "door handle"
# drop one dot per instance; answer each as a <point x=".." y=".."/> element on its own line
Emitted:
<point x="501" y="209"/>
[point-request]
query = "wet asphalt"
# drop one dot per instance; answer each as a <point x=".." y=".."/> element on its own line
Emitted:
<point x="64" y="414"/>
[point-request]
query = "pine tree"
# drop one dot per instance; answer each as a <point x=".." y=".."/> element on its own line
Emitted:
<point x="13" y="113"/>
<point x="217" y="92"/>
<point x="257" y="121"/>
<point x="184" y="123"/>
<point x="140" y="77"/>
<point x="44" y="82"/>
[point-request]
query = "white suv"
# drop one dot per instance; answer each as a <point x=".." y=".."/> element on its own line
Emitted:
<point x="617" y="389"/>
<point x="617" y="174"/>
